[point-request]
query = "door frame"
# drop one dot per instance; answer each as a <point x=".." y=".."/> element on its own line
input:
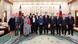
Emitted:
<point x="76" y="18"/>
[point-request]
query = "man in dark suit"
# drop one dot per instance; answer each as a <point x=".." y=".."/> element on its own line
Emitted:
<point x="59" y="24"/>
<point x="70" y="23"/>
<point x="40" y="22"/>
<point x="34" y="23"/>
<point x="53" y="24"/>
<point x="49" y="23"/>
<point x="45" y="17"/>
<point x="64" y="26"/>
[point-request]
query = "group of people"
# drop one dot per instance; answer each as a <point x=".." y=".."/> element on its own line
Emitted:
<point x="42" y="24"/>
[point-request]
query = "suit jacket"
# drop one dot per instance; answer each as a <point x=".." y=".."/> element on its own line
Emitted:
<point x="64" y="22"/>
<point x="52" y="21"/>
<point x="45" y="20"/>
<point x="70" y="21"/>
<point x="36" y="20"/>
<point x="11" y="22"/>
<point x="40" y="21"/>
<point x="59" y="21"/>
<point x="55" y="20"/>
<point x="49" y="20"/>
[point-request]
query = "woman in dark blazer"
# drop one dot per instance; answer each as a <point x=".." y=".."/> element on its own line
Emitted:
<point x="11" y="24"/>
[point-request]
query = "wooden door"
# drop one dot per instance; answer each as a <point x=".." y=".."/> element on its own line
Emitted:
<point x="76" y="18"/>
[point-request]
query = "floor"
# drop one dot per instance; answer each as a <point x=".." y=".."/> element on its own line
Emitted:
<point x="40" y="39"/>
<point x="45" y="39"/>
<point x="48" y="39"/>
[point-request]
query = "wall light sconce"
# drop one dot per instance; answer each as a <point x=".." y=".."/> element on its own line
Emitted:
<point x="77" y="14"/>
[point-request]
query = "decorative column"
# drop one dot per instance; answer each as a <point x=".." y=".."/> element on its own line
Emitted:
<point x="2" y="8"/>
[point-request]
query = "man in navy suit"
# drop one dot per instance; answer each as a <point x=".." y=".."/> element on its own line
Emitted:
<point x="59" y="24"/>
<point x="53" y="25"/>
<point x="70" y="23"/>
<point x="64" y="26"/>
<point x="45" y="23"/>
<point x="40" y="22"/>
<point x="49" y="23"/>
<point x="36" y="22"/>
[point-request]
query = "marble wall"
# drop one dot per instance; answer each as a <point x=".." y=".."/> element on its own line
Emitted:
<point x="4" y="6"/>
<point x="1" y="9"/>
<point x="74" y="7"/>
<point x="36" y="7"/>
<point x="8" y="8"/>
<point x="41" y="7"/>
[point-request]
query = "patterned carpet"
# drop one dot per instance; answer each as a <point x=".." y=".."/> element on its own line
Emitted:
<point x="45" y="39"/>
<point x="4" y="38"/>
<point x="48" y="39"/>
<point x="40" y="39"/>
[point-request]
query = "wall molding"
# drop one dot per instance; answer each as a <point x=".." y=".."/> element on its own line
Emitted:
<point x="8" y="2"/>
<point x="72" y="1"/>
